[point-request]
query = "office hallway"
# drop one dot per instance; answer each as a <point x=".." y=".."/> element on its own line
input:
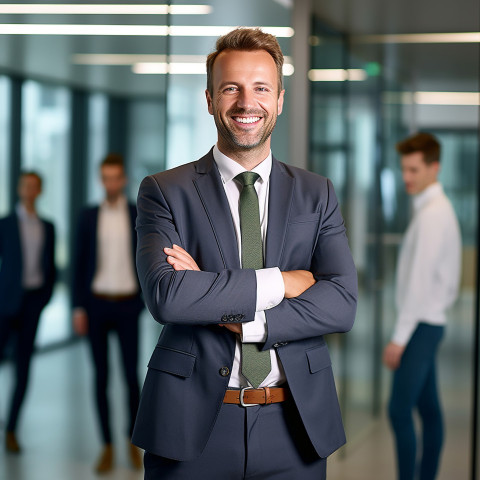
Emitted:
<point x="59" y="435"/>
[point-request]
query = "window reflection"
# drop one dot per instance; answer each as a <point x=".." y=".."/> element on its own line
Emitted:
<point x="4" y="145"/>
<point x="97" y="143"/>
<point x="45" y="146"/>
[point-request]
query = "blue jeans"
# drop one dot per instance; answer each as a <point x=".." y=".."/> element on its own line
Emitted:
<point x="415" y="386"/>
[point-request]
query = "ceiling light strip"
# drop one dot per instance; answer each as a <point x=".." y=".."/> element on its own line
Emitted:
<point x="129" y="30"/>
<point x="337" y="75"/>
<point x="463" y="37"/>
<point x="433" y="98"/>
<point x="113" y="9"/>
<point x="183" y="68"/>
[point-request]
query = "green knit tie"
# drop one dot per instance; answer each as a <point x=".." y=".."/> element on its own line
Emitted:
<point x="255" y="363"/>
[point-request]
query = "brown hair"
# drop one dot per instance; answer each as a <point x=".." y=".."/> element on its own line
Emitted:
<point x="113" y="159"/>
<point x="31" y="173"/>
<point x="247" y="39"/>
<point x="422" y="142"/>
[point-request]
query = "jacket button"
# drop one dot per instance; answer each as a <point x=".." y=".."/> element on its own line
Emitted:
<point x="224" y="371"/>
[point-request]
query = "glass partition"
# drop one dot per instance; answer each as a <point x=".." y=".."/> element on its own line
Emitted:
<point x="97" y="143"/>
<point x="355" y="124"/>
<point x="4" y="145"/>
<point x="45" y="145"/>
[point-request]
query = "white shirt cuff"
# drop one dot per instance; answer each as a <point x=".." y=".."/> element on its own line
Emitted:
<point x="256" y="331"/>
<point x="270" y="288"/>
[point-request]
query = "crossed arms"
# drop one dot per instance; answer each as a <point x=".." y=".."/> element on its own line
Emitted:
<point x="295" y="281"/>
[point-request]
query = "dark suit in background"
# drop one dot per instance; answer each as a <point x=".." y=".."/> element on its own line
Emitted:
<point x="20" y="308"/>
<point x="105" y="313"/>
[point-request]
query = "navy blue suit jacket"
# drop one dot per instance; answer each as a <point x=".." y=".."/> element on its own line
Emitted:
<point x="184" y="386"/>
<point x="85" y="259"/>
<point x="11" y="261"/>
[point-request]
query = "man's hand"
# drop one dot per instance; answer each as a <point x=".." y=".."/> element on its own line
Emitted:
<point x="392" y="355"/>
<point x="80" y="321"/>
<point x="233" y="327"/>
<point x="296" y="282"/>
<point x="180" y="259"/>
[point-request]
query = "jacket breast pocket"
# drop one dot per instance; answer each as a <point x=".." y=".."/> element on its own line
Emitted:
<point x="300" y="240"/>
<point x="318" y="358"/>
<point x="172" y="361"/>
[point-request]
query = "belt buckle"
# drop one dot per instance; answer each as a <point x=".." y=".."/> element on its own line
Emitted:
<point x="242" y="393"/>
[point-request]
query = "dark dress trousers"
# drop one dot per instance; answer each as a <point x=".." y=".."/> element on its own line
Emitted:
<point x="19" y="308"/>
<point x="105" y="316"/>
<point x="189" y="370"/>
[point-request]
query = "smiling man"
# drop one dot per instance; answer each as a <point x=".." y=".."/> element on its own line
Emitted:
<point x="428" y="275"/>
<point x="245" y="262"/>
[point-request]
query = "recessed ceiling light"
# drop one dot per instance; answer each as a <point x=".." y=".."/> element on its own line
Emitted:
<point x="113" y="9"/>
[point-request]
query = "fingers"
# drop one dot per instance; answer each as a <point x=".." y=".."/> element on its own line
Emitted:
<point x="180" y="259"/>
<point x="296" y="282"/>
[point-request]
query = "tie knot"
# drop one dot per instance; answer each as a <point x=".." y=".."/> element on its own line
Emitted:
<point x="247" y="178"/>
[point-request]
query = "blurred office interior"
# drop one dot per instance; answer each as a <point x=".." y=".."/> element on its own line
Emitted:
<point x="360" y="75"/>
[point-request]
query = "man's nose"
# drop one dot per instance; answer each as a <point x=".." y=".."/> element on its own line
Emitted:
<point x="246" y="99"/>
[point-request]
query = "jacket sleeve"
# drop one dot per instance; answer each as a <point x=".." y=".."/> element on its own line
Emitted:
<point x="50" y="257"/>
<point x="184" y="297"/>
<point x="328" y="306"/>
<point x="80" y="262"/>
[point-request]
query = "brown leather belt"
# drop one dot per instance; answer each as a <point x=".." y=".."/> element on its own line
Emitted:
<point x="258" y="396"/>
<point x="114" y="298"/>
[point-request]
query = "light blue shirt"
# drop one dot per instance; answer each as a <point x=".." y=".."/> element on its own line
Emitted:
<point x="32" y="239"/>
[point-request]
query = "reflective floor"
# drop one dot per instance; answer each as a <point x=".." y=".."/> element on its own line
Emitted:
<point x="60" y="440"/>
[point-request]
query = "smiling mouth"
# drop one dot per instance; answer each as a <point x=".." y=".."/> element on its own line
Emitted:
<point x="247" y="120"/>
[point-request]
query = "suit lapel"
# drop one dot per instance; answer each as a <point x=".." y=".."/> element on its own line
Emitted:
<point x="279" y="202"/>
<point x="212" y="195"/>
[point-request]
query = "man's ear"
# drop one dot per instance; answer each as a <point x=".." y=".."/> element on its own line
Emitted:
<point x="209" y="102"/>
<point x="280" y="102"/>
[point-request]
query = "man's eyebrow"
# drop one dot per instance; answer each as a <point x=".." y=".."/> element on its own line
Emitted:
<point x="233" y="82"/>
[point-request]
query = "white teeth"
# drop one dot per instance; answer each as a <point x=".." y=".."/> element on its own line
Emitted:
<point x="247" y="120"/>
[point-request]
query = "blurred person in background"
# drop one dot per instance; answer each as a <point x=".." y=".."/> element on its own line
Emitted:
<point x="27" y="277"/>
<point x="428" y="276"/>
<point x="106" y="296"/>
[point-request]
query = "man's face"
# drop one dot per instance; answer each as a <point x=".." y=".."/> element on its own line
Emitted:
<point x="246" y="101"/>
<point x="113" y="180"/>
<point x="418" y="175"/>
<point x="29" y="188"/>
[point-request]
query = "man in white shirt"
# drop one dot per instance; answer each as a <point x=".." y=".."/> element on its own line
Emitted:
<point x="428" y="276"/>
<point x="106" y="295"/>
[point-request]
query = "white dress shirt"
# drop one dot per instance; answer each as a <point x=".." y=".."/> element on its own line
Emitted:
<point x="428" y="272"/>
<point x="115" y="271"/>
<point x="32" y="239"/>
<point x="270" y="286"/>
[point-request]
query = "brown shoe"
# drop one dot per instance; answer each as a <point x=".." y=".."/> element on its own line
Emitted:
<point x="105" y="461"/>
<point x="11" y="444"/>
<point x="136" y="457"/>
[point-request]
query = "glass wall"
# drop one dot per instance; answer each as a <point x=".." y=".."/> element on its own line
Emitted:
<point x="4" y="145"/>
<point x="146" y="140"/>
<point x="355" y="125"/>
<point x="97" y="143"/>
<point x="46" y="145"/>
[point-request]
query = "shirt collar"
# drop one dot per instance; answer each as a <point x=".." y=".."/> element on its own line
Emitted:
<point x="120" y="204"/>
<point x="229" y="168"/>
<point x="424" y="197"/>
<point x="23" y="214"/>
